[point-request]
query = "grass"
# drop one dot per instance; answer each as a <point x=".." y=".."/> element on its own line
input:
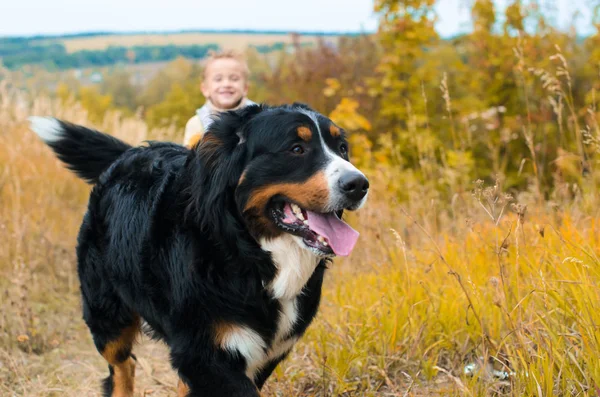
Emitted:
<point x="425" y="292"/>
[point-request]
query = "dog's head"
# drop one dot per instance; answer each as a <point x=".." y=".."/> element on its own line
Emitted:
<point x="284" y="170"/>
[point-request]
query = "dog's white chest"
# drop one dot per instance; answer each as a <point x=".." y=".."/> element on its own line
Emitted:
<point x="295" y="265"/>
<point x="282" y="342"/>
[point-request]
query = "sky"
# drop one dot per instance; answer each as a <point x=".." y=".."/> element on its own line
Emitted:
<point x="31" y="17"/>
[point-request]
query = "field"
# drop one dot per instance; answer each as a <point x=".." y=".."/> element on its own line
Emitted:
<point x="425" y="293"/>
<point x="477" y="270"/>
<point x="79" y="51"/>
<point x="236" y="41"/>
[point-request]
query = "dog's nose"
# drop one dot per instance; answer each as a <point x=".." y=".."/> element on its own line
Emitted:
<point x="354" y="185"/>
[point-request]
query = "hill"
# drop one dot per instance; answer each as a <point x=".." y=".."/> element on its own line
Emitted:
<point x="109" y="48"/>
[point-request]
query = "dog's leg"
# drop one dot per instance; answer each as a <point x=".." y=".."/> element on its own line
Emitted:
<point x="182" y="389"/>
<point x="114" y="329"/>
<point x="112" y="323"/>
<point x="200" y="379"/>
<point x="121" y="361"/>
<point x="117" y="352"/>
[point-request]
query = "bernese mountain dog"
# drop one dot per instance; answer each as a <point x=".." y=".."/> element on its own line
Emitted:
<point x="219" y="248"/>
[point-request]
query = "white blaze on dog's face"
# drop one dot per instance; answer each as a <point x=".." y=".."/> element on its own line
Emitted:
<point x="298" y="182"/>
<point x="348" y="187"/>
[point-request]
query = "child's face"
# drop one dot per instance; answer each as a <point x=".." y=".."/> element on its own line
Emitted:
<point x="224" y="83"/>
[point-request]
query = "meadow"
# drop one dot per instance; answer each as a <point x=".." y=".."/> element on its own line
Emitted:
<point x="477" y="271"/>
<point x="425" y="293"/>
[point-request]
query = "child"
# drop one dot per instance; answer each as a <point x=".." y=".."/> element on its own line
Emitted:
<point x="225" y="86"/>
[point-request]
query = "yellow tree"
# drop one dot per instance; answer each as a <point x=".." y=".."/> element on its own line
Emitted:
<point x="178" y="106"/>
<point x="406" y="31"/>
<point x="95" y="103"/>
<point x="180" y="71"/>
<point x="415" y="98"/>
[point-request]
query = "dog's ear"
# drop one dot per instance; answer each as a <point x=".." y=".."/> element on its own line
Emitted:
<point x="225" y="133"/>
<point x="229" y="126"/>
<point x="218" y="162"/>
<point x="301" y="105"/>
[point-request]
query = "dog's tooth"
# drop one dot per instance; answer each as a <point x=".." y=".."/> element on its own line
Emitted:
<point x="305" y="222"/>
<point x="325" y="243"/>
<point x="321" y="239"/>
<point x="300" y="216"/>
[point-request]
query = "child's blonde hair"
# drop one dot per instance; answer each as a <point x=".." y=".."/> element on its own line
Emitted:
<point x="227" y="54"/>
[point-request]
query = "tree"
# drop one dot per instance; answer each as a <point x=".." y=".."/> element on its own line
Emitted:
<point x="180" y="71"/>
<point x="95" y="103"/>
<point x="118" y="84"/>
<point x="406" y="31"/>
<point x="177" y="108"/>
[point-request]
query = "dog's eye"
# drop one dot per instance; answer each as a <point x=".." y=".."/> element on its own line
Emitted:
<point x="297" y="149"/>
<point x="344" y="149"/>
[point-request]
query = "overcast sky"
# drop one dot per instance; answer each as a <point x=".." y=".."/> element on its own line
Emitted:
<point x="29" y="17"/>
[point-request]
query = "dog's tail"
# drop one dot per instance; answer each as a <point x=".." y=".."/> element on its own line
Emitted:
<point x="86" y="152"/>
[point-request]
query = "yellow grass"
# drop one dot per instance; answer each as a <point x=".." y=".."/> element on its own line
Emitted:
<point x="425" y="293"/>
<point x="232" y="40"/>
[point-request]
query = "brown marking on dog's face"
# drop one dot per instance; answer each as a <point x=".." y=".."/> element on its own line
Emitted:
<point x="334" y="131"/>
<point x="182" y="389"/>
<point x="305" y="133"/>
<point x="312" y="194"/>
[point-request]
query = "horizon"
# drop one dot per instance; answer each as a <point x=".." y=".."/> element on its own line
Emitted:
<point x="199" y="30"/>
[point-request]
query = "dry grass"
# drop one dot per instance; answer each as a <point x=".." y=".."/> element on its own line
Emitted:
<point x="425" y="293"/>
<point x="235" y="41"/>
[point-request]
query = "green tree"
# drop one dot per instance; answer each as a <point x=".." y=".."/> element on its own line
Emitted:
<point x="119" y="85"/>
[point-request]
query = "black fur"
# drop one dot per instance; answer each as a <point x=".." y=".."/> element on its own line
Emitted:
<point x="166" y="238"/>
<point x="75" y="151"/>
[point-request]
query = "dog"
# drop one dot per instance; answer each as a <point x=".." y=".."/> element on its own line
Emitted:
<point x="220" y="248"/>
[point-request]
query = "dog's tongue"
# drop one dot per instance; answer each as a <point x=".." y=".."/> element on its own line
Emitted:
<point x="340" y="236"/>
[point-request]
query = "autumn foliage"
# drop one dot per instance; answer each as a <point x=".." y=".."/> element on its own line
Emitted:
<point x="478" y="265"/>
